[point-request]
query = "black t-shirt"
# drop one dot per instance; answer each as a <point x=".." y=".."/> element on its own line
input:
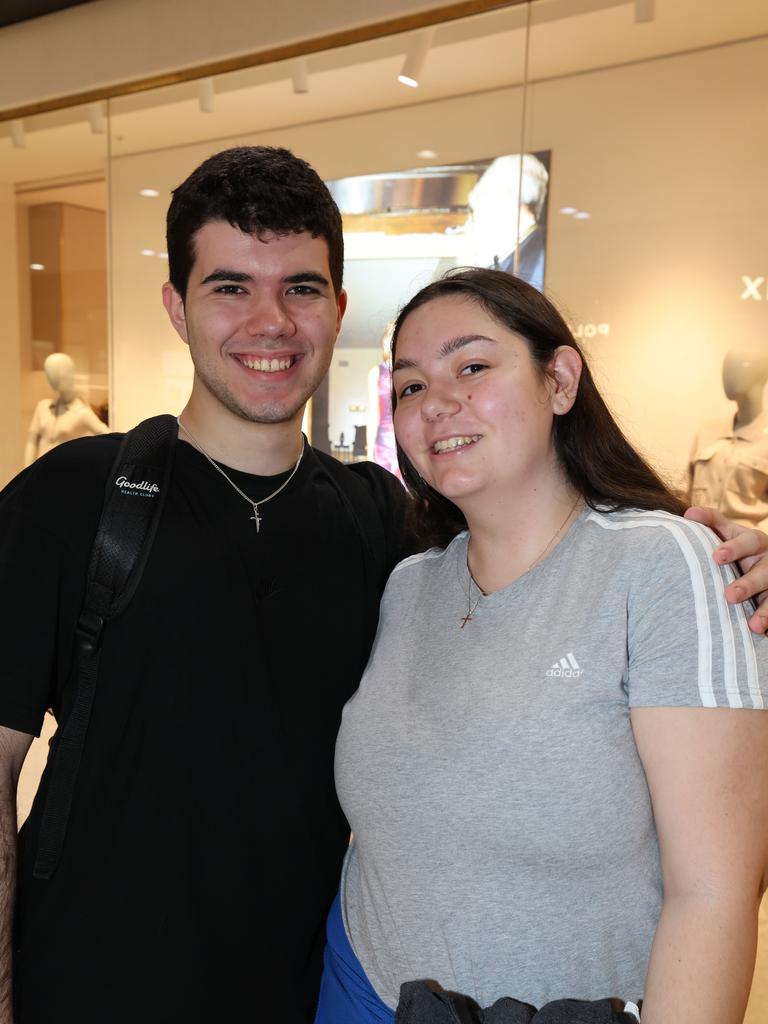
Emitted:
<point x="205" y="839"/>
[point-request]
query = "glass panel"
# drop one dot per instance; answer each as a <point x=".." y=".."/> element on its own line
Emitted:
<point x="53" y="201"/>
<point x="402" y="161"/>
<point x="658" y="170"/>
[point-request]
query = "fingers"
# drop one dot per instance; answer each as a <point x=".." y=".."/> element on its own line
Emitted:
<point x="742" y="543"/>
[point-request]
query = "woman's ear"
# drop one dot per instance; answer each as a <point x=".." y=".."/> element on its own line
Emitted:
<point x="565" y="370"/>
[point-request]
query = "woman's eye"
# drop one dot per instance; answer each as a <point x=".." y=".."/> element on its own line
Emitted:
<point x="474" y="368"/>
<point x="410" y="389"/>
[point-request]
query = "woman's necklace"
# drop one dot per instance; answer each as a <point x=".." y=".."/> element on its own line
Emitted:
<point x="471" y="581"/>
<point x="254" y="504"/>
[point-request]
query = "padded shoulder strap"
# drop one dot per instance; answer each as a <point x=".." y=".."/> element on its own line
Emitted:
<point x="133" y="502"/>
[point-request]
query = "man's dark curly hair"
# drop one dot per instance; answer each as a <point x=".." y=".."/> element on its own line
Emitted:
<point x="257" y="189"/>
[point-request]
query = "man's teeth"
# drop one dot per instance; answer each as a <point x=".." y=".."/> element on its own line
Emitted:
<point x="266" y="365"/>
<point x="455" y="442"/>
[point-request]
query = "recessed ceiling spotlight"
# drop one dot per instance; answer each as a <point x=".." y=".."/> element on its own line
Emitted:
<point x="568" y="210"/>
<point x="415" y="58"/>
<point x="150" y="193"/>
<point x="426" y="154"/>
<point x="37" y="266"/>
<point x="148" y="252"/>
<point x="581" y="215"/>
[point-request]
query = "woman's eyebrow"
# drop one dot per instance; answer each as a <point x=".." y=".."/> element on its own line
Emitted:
<point x="446" y="349"/>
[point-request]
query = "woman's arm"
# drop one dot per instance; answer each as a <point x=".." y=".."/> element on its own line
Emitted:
<point x="748" y="547"/>
<point x="707" y="771"/>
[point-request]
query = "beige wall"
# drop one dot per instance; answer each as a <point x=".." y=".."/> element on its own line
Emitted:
<point x="98" y="44"/>
<point x="10" y="401"/>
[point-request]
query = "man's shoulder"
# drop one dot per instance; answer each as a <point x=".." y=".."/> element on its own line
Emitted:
<point x="69" y="474"/>
<point x="365" y="478"/>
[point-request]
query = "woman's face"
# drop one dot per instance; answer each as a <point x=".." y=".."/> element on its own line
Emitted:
<point x="474" y="412"/>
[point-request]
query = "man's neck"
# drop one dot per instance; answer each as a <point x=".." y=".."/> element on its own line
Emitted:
<point x="263" y="449"/>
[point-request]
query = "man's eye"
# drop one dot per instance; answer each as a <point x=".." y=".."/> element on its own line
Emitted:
<point x="229" y="289"/>
<point x="410" y="389"/>
<point x="302" y="289"/>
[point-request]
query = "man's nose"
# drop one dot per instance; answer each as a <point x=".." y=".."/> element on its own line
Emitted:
<point x="268" y="317"/>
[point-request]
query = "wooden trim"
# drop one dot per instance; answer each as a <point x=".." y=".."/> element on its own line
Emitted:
<point x="344" y="37"/>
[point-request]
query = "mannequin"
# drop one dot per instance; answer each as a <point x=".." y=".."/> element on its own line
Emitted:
<point x="64" y="418"/>
<point x="729" y="460"/>
<point x="380" y="432"/>
<point x="506" y="206"/>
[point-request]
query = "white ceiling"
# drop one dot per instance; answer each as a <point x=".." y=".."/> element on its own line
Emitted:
<point x="476" y="54"/>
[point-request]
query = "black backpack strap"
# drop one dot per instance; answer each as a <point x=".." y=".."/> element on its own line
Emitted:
<point x="136" y="489"/>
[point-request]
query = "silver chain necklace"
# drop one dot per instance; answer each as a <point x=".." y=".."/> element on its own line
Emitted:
<point x="256" y="518"/>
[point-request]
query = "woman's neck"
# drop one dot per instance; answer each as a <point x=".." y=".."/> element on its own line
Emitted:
<point x="507" y="540"/>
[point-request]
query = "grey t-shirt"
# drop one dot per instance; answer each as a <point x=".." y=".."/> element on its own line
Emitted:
<point x="504" y="841"/>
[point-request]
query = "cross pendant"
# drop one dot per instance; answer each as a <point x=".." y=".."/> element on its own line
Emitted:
<point x="256" y="518"/>
<point x="465" y="620"/>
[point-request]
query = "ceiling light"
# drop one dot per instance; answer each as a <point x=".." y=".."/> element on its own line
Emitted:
<point x="415" y="58"/>
<point x="148" y="252"/>
<point x="426" y="154"/>
<point x="97" y="119"/>
<point x="645" y="10"/>
<point x="568" y="210"/>
<point x="205" y="95"/>
<point x="17" y="135"/>
<point x="300" y="75"/>
<point x="581" y="215"/>
<point x="162" y="255"/>
<point x="150" y="193"/>
<point x="37" y="266"/>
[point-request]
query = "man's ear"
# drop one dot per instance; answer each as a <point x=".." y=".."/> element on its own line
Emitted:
<point x="341" y="306"/>
<point x="174" y="307"/>
<point x="565" y="370"/>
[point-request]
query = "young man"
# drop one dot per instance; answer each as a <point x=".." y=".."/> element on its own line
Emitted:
<point x="205" y="840"/>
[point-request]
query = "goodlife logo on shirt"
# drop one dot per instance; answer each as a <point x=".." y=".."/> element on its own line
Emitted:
<point x="142" y="489"/>
<point x="566" y="668"/>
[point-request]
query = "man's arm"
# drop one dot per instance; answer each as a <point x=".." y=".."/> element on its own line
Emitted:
<point x="13" y="749"/>
<point x="748" y="547"/>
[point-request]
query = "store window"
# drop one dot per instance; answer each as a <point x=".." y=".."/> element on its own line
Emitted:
<point x="610" y="152"/>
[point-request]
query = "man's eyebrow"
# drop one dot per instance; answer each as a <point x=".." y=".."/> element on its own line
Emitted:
<point x="307" y="277"/>
<point x="226" y="274"/>
<point x="446" y="349"/>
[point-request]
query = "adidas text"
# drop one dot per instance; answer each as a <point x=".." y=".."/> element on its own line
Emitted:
<point x="566" y="668"/>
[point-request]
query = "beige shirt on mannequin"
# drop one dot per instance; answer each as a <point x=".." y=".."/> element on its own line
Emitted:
<point x="77" y="420"/>
<point x="729" y="470"/>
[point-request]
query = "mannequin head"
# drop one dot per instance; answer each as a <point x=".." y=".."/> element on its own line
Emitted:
<point x="60" y="370"/>
<point x="494" y="204"/>
<point x="744" y="370"/>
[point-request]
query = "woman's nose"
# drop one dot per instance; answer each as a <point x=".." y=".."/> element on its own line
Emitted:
<point x="438" y="403"/>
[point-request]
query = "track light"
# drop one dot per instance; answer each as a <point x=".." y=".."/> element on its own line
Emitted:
<point x="300" y="75"/>
<point x="97" y="119"/>
<point x="17" y="135"/>
<point x="645" y="10"/>
<point x="415" y="57"/>
<point x="205" y="95"/>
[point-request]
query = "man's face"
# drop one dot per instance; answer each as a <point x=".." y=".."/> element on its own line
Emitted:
<point x="260" y="318"/>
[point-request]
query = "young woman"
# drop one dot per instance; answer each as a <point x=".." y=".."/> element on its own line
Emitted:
<point x="555" y="768"/>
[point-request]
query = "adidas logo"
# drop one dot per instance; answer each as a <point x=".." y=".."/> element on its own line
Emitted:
<point x="566" y="668"/>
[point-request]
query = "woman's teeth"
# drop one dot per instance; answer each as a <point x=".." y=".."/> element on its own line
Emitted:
<point x="455" y="442"/>
<point x="267" y="365"/>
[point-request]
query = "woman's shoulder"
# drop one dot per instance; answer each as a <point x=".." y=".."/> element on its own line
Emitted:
<point x="644" y="529"/>
<point x="427" y="563"/>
